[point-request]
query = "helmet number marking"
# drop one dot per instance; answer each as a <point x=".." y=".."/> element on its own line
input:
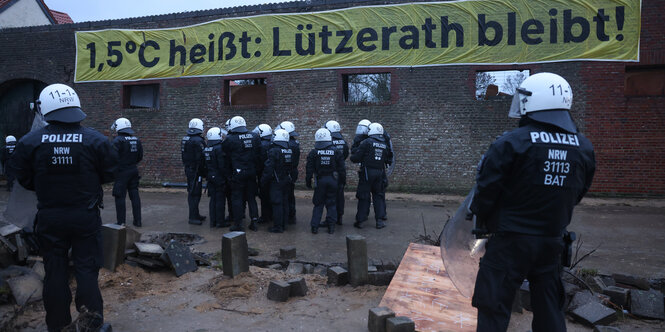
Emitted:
<point x="554" y="90"/>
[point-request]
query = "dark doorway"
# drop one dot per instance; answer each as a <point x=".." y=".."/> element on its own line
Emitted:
<point x="15" y="113"/>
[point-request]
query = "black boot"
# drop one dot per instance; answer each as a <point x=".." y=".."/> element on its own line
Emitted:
<point x="315" y="230"/>
<point x="253" y="226"/>
<point x="331" y="228"/>
<point x="380" y="224"/>
<point x="137" y="223"/>
<point x="358" y="224"/>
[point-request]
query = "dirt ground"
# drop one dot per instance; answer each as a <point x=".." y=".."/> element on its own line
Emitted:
<point x="628" y="235"/>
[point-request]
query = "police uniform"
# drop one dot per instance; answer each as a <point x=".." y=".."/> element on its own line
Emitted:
<point x="340" y="144"/>
<point x="66" y="165"/>
<point x="191" y="147"/>
<point x="527" y="186"/>
<point x="294" y="145"/>
<point x="214" y="156"/>
<point x="130" y="153"/>
<point x="5" y="154"/>
<point x="264" y="189"/>
<point x="373" y="154"/>
<point x="277" y="174"/>
<point x="326" y="164"/>
<point x="242" y="149"/>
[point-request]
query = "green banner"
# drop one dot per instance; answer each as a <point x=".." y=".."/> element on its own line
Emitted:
<point x="416" y="34"/>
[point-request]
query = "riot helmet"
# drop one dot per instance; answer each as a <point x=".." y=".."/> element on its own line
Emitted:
<point x="281" y="138"/>
<point x="322" y="138"/>
<point x="10" y="140"/>
<point x="334" y="128"/>
<point x="375" y="129"/>
<point x="214" y="135"/>
<point x="290" y="128"/>
<point x="195" y="126"/>
<point x="237" y="124"/>
<point x="122" y="125"/>
<point x="363" y="127"/>
<point x="264" y="131"/>
<point x="59" y="102"/>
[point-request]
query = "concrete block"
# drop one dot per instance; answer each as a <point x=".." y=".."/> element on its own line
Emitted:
<point x="38" y="267"/>
<point x="113" y="244"/>
<point x="372" y="268"/>
<point x="132" y="236"/>
<point x="287" y="252"/>
<point x="235" y="257"/>
<point x="356" y="253"/>
<point x="638" y="282"/>
<point x="321" y="270"/>
<point x="275" y="266"/>
<point x="376" y="322"/>
<point x="597" y="284"/>
<point x="298" y="287"/>
<point x="149" y="249"/>
<point x="648" y="304"/>
<point x="594" y="313"/>
<point x="279" y="290"/>
<point x="338" y="276"/>
<point x="400" y="324"/>
<point x="308" y="268"/>
<point x="295" y="268"/>
<point x="26" y="288"/>
<point x="618" y="295"/>
<point x="181" y="258"/>
<point x="380" y="278"/>
<point x="585" y="297"/>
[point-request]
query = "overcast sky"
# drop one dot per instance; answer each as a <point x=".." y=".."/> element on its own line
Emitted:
<point x="96" y="10"/>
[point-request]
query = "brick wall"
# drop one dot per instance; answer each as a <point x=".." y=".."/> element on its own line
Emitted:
<point x="438" y="128"/>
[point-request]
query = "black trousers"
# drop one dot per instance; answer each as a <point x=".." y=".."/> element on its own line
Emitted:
<point x="194" y="190"/>
<point x="292" y="196"/>
<point x="266" y="206"/>
<point x="127" y="182"/>
<point x="243" y="189"/>
<point x="325" y="193"/>
<point x="508" y="260"/>
<point x="59" y="230"/>
<point x="217" y="204"/>
<point x="371" y="186"/>
<point x="340" y="200"/>
<point x="279" y="198"/>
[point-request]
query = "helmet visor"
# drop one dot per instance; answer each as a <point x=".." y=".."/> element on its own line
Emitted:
<point x="515" y="111"/>
<point x="362" y="130"/>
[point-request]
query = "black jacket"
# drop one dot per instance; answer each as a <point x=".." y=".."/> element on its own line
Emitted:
<point x="339" y="143"/>
<point x="531" y="178"/>
<point x="325" y="161"/>
<point x="130" y="151"/>
<point x="5" y="154"/>
<point x="373" y="152"/>
<point x="243" y="153"/>
<point x="215" y="158"/>
<point x="191" y="148"/>
<point x="278" y="166"/>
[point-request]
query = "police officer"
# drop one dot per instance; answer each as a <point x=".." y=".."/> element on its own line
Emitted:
<point x="214" y="156"/>
<point x="265" y="132"/>
<point x="294" y="145"/>
<point x="528" y="183"/>
<point x="277" y="173"/>
<point x="374" y="155"/>
<point x="130" y="153"/>
<point x="66" y="165"/>
<point x="339" y="143"/>
<point x="326" y="164"/>
<point x="242" y="149"/>
<point x="5" y="154"/>
<point x="361" y="133"/>
<point x="191" y="148"/>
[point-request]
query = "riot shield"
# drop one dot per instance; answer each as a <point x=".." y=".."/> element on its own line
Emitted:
<point x="460" y="250"/>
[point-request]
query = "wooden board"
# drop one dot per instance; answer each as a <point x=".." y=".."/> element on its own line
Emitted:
<point x="422" y="291"/>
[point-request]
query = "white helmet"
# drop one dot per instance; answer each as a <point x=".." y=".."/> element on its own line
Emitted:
<point x="281" y="138"/>
<point x="236" y="123"/>
<point x="333" y="126"/>
<point x="122" y="125"/>
<point x="227" y="124"/>
<point x="363" y="127"/>
<point x="289" y="127"/>
<point x="545" y="97"/>
<point x="10" y="139"/>
<point x="264" y="130"/>
<point x="214" y="134"/>
<point x="59" y="102"/>
<point x="322" y="138"/>
<point x="195" y="126"/>
<point x="375" y="129"/>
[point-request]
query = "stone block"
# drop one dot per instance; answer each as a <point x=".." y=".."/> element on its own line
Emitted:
<point x="372" y="268"/>
<point x="634" y="281"/>
<point x="235" y="257"/>
<point x="321" y="270"/>
<point x="279" y="290"/>
<point x="149" y="249"/>
<point x="597" y="284"/>
<point x="338" y="276"/>
<point x="132" y="236"/>
<point x="38" y="267"/>
<point x="380" y="278"/>
<point x="648" y="304"/>
<point x="356" y="253"/>
<point x="287" y="252"/>
<point x="594" y="313"/>
<point x="376" y="322"/>
<point x="26" y="288"/>
<point x="298" y="287"/>
<point x="181" y="258"/>
<point x="400" y="324"/>
<point x="295" y="268"/>
<point x="275" y="266"/>
<point x="113" y="244"/>
<point x="308" y="268"/>
<point x="618" y="295"/>
<point x="585" y="297"/>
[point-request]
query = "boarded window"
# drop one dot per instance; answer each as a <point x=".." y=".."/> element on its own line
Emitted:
<point x="252" y="91"/>
<point x="645" y="81"/>
<point x="366" y="88"/>
<point x="497" y="83"/>
<point x="141" y="96"/>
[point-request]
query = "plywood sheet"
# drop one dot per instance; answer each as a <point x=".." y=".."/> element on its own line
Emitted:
<point x="422" y="291"/>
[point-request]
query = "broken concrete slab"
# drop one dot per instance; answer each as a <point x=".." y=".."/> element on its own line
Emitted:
<point x="9" y="229"/>
<point x="131" y="236"/>
<point x="376" y="322"/>
<point x="181" y="258"/>
<point x="287" y="252"/>
<point x="400" y="324"/>
<point x="638" y="282"/>
<point x="279" y="290"/>
<point x="275" y="266"/>
<point x="597" y="284"/>
<point x="38" y="268"/>
<point x="584" y="297"/>
<point x="337" y="276"/>
<point x="298" y="287"/>
<point x="146" y="261"/>
<point x="380" y="278"/>
<point x="647" y="304"/>
<point x="356" y="254"/>
<point x="235" y="258"/>
<point x="26" y="288"/>
<point x="164" y="238"/>
<point x="149" y="249"/>
<point x="618" y="295"/>
<point x="321" y="270"/>
<point x="594" y="313"/>
<point x="113" y="244"/>
<point x="295" y="268"/>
